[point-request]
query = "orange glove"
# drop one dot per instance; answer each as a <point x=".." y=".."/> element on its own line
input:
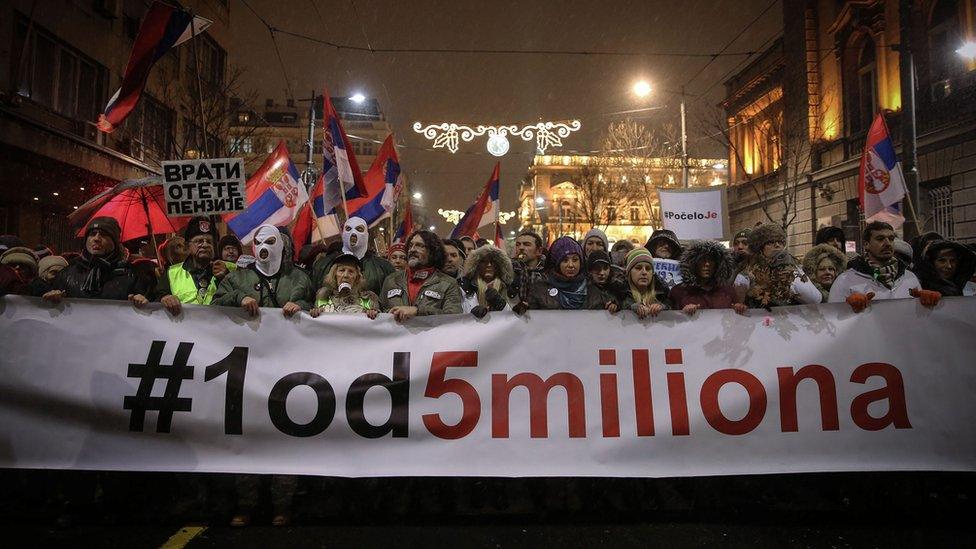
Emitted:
<point x="859" y="301"/>
<point x="928" y="298"/>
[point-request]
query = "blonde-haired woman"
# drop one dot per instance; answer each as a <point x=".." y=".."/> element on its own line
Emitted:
<point x="344" y="290"/>
<point x="646" y="297"/>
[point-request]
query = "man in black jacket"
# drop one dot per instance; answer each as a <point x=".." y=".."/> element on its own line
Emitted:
<point x="101" y="271"/>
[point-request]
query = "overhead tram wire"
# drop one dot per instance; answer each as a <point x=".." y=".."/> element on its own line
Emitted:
<point x="730" y="42"/>
<point x="274" y="41"/>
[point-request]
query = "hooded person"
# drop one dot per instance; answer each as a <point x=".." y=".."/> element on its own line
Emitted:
<point x="484" y="282"/>
<point x="644" y="292"/>
<point x="421" y="289"/>
<point x="101" y="271"/>
<point x="706" y="268"/>
<point x="619" y="251"/>
<point x="229" y="248"/>
<point x="195" y="279"/>
<point x="566" y="285"/>
<point x="664" y="244"/>
<point x="355" y="241"/>
<point x="823" y="263"/>
<point x="878" y="274"/>
<point x="595" y="239"/>
<point x="949" y="267"/>
<point x="19" y="271"/>
<point x="833" y="236"/>
<point x="47" y="270"/>
<point x="397" y="255"/>
<point x="763" y="283"/>
<point x="344" y="290"/>
<point x="270" y="281"/>
<point x="469" y="244"/>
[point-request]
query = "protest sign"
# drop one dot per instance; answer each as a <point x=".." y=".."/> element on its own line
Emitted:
<point x="204" y="187"/>
<point x="696" y="214"/>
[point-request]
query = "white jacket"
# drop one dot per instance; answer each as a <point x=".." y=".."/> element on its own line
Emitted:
<point x="851" y="281"/>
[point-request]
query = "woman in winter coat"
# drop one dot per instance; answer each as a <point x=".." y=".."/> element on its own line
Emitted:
<point x="823" y="263"/>
<point x="644" y="297"/>
<point x="706" y="268"/>
<point x="486" y="276"/>
<point x="948" y="266"/>
<point x="566" y="285"/>
<point x="344" y="290"/>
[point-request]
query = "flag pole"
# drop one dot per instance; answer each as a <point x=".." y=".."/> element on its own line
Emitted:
<point x="196" y="68"/>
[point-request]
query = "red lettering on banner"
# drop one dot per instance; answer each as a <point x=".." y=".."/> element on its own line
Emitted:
<point x="893" y="391"/>
<point x="642" y="393"/>
<point x="608" y="395"/>
<point x="788" y="382"/>
<point x="438" y="386"/>
<point x="678" y="399"/>
<point x="713" y="411"/>
<point x="501" y="390"/>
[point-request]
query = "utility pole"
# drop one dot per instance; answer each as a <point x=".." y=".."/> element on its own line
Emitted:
<point x="684" y="143"/>
<point x="909" y="143"/>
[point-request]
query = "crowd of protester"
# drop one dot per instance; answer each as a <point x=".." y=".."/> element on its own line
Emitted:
<point x="425" y="275"/>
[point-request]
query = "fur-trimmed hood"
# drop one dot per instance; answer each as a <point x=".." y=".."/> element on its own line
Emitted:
<point x="503" y="265"/>
<point x="701" y="249"/>
<point x="818" y="253"/>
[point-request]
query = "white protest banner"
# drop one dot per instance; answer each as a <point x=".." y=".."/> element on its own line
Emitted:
<point x="204" y="187"/>
<point x="696" y="214"/>
<point x="668" y="271"/>
<point x="102" y="385"/>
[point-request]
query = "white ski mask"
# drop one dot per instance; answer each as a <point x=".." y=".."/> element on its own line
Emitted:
<point x="355" y="229"/>
<point x="268" y="247"/>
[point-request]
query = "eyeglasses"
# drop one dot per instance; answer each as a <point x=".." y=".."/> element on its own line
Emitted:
<point x="201" y="241"/>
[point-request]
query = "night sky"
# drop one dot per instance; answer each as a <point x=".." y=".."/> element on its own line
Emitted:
<point x="496" y="88"/>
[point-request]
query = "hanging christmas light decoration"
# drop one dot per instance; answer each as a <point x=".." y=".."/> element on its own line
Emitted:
<point x="449" y="135"/>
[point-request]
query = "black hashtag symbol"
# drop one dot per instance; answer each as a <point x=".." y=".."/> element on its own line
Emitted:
<point x="148" y="373"/>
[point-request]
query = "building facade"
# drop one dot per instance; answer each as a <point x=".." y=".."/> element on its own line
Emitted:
<point x="569" y="195"/>
<point x="57" y="71"/>
<point x="798" y="116"/>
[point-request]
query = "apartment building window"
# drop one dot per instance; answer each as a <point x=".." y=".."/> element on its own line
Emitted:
<point x="863" y="90"/>
<point x="944" y="38"/>
<point x="634" y="215"/>
<point x="212" y="60"/>
<point x="940" y="201"/>
<point x="58" y="76"/>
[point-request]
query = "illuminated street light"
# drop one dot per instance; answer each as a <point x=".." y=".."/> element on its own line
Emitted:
<point x="433" y="228"/>
<point x="719" y="166"/>
<point x="539" y="200"/>
<point x="417" y="195"/>
<point x="358" y="98"/>
<point x="968" y="50"/>
<point x="642" y="89"/>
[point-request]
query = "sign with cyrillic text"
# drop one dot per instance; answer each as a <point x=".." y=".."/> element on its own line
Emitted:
<point x="204" y="187"/>
<point x="551" y="393"/>
<point x="696" y="214"/>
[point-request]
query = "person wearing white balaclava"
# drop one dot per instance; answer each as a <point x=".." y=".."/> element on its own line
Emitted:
<point x="355" y="242"/>
<point x="270" y="281"/>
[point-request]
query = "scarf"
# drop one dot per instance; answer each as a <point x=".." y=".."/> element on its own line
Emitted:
<point x="416" y="279"/>
<point x="100" y="268"/>
<point x="483" y="288"/>
<point x="572" y="291"/>
<point x="886" y="273"/>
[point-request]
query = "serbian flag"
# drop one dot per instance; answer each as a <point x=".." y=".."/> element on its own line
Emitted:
<point x="275" y="195"/>
<point x="880" y="182"/>
<point x="383" y="185"/>
<point x="323" y="225"/>
<point x="499" y="238"/>
<point x="406" y="226"/>
<point x="483" y="212"/>
<point x="163" y="28"/>
<point x="339" y="166"/>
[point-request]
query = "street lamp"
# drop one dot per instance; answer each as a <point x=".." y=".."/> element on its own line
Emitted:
<point x="642" y="89"/>
<point x="358" y="98"/>
<point x="968" y="50"/>
<point x="433" y="228"/>
<point x="417" y="195"/>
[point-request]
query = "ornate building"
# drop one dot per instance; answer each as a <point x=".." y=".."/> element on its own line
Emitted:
<point x="568" y="195"/>
<point x="60" y="66"/>
<point x="798" y="115"/>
